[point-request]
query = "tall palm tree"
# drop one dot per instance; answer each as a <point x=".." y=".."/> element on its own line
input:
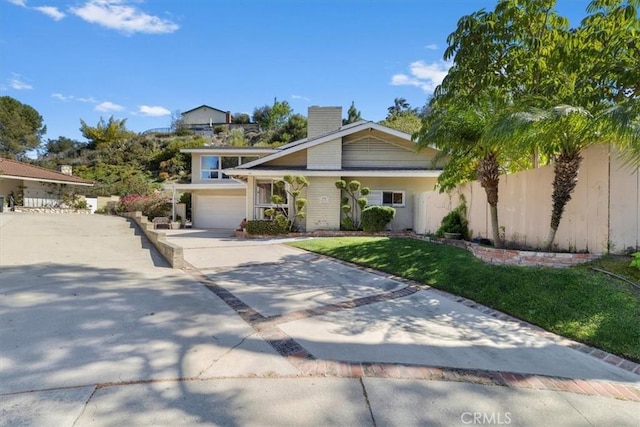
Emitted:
<point x="399" y="105"/>
<point x="463" y="134"/>
<point x="561" y="133"/>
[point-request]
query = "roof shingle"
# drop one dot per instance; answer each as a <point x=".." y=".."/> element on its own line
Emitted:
<point x="15" y="169"/>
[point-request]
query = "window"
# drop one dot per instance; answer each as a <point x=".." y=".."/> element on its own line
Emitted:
<point x="264" y="190"/>
<point x="386" y="198"/>
<point x="229" y="162"/>
<point x="211" y="166"/>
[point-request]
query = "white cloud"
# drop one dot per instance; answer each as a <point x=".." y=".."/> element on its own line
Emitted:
<point x="90" y="99"/>
<point x="431" y="46"/>
<point x="62" y="97"/>
<point x="423" y="75"/>
<point x="119" y="15"/>
<point x="300" y="97"/>
<point x="154" y="111"/>
<point x="22" y="3"/>
<point x="108" y="106"/>
<point x="51" y="12"/>
<point x="18" y="84"/>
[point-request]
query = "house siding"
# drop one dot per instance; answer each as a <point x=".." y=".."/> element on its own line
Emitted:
<point x="412" y="187"/>
<point x="374" y="152"/>
<point x="327" y="156"/>
<point x="323" y="204"/>
<point x="204" y="116"/>
<point x="294" y="160"/>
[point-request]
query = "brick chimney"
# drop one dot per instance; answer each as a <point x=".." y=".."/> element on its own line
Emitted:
<point x="227" y="117"/>
<point x="66" y="169"/>
<point x="321" y="120"/>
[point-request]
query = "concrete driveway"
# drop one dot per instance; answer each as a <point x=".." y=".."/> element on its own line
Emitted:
<point x="95" y="329"/>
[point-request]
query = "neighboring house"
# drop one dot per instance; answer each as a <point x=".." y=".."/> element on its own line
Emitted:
<point x="35" y="186"/>
<point x="227" y="187"/>
<point x="204" y="118"/>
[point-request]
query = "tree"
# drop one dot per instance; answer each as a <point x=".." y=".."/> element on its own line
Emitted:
<point x="62" y="145"/>
<point x="272" y="117"/>
<point x="240" y="118"/>
<point x="463" y="133"/>
<point x="597" y="103"/>
<point x="295" y="128"/>
<point x="353" y="202"/>
<point x="178" y="126"/>
<point x="408" y="122"/>
<point x="400" y="105"/>
<point x="492" y="73"/>
<point x="20" y="128"/>
<point x="107" y="136"/>
<point x="353" y="115"/>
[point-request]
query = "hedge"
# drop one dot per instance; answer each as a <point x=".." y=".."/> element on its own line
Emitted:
<point x="264" y="227"/>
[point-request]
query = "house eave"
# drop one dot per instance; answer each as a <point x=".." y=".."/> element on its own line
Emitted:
<point x="228" y="151"/>
<point x="235" y="185"/>
<point x="52" y="181"/>
<point x="335" y="173"/>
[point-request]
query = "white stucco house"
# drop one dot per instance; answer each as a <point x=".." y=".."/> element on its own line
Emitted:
<point x="230" y="184"/>
<point x="35" y="186"/>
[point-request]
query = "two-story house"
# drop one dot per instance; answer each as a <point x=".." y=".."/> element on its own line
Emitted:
<point x="230" y="184"/>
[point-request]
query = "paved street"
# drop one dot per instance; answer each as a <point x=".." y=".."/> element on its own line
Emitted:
<point x="96" y="329"/>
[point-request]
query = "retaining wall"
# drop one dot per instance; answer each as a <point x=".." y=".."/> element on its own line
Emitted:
<point x="172" y="253"/>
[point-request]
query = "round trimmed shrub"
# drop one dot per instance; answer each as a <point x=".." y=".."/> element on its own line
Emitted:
<point x="375" y="218"/>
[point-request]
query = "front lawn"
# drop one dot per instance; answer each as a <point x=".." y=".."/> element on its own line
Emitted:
<point x="577" y="303"/>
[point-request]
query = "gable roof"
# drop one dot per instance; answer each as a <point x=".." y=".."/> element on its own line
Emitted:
<point x="19" y="170"/>
<point x="305" y="143"/>
<point x="203" y="105"/>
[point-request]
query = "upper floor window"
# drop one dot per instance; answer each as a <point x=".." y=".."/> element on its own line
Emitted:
<point x="211" y="167"/>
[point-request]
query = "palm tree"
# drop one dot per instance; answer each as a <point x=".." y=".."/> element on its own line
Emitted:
<point x="399" y="105"/>
<point x="463" y="134"/>
<point x="562" y="132"/>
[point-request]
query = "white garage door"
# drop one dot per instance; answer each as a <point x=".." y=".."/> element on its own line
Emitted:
<point x="218" y="211"/>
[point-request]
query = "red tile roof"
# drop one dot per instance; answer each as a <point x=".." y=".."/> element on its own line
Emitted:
<point x="20" y="170"/>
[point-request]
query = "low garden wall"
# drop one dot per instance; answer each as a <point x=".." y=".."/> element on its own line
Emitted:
<point x="528" y="258"/>
<point x="172" y="253"/>
<point x="53" y="210"/>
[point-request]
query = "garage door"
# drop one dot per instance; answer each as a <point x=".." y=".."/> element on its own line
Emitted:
<point x="218" y="211"/>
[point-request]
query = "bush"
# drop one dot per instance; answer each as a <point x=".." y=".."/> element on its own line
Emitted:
<point x="81" y="204"/>
<point x="151" y="206"/>
<point x="265" y="227"/>
<point x="454" y="222"/>
<point x="376" y="218"/>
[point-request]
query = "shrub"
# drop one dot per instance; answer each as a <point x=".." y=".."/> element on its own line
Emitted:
<point x="265" y="227"/>
<point x="636" y="260"/>
<point x="454" y="222"/>
<point x="376" y="218"/>
<point x="81" y="204"/>
<point x="151" y="206"/>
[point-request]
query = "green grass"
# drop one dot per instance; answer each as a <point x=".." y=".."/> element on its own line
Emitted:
<point x="577" y="303"/>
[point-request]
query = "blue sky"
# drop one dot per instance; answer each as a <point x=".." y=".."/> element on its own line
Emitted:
<point x="144" y="60"/>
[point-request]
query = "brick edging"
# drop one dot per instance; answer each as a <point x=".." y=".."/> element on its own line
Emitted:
<point x="309" y="365"/>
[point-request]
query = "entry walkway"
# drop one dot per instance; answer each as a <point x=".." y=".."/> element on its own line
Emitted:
<point x="95" y="329"/>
